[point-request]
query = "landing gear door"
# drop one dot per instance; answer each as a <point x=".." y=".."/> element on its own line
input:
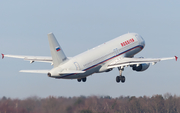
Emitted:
<point x="77" y="66"/>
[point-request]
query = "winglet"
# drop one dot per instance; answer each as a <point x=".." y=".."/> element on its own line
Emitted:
<point x="176" y="58"/>
<point x="2" y="55"/>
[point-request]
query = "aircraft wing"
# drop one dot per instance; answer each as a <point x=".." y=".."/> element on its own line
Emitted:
<point x="137" y="61"/>
<point x="31" y="58"/>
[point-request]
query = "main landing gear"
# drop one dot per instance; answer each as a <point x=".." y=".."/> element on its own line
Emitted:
<point x="120" y="77"/>
<point x="83" y="79"/>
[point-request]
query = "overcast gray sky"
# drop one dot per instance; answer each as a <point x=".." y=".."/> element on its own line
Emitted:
<point x="80" y="25"/>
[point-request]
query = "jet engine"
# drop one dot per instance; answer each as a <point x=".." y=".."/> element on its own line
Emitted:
<point x="141" y="67"/>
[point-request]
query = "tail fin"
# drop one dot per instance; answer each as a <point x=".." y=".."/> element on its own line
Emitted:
<point x="57" y="53"/>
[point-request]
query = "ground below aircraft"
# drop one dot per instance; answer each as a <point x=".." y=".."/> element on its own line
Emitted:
<point x="116" y="53"/>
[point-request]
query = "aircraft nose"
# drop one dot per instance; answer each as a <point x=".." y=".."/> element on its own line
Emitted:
<point x="143" y="42"/>
<point x="140" y="40"/>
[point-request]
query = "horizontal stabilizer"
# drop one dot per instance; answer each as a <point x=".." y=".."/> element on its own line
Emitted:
<point x="35" y="71"/>
<point x="71" y="71"/>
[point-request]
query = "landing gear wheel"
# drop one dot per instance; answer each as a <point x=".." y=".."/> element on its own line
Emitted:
<point x="79" y="80"/>
<point x="123" y="79"/>
<point x="84" y="79"/>
<point x="118" y="79"/>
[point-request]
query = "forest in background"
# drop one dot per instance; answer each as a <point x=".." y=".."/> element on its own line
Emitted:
<point x="166" y="103"/>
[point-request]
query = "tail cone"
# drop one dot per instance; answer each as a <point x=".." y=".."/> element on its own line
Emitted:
<point x="49" y="74"/>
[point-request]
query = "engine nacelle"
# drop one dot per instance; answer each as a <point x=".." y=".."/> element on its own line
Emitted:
<point x="141" y="67"/>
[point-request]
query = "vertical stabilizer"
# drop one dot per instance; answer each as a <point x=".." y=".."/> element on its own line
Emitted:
<point x="57" y="53"/>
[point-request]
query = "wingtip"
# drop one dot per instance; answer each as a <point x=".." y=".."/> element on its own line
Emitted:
<point x="176" y="58"/>
<point x="2" y="55"/>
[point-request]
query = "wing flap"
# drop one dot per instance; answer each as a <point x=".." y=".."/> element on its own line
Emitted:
<point x="137" y="61"/>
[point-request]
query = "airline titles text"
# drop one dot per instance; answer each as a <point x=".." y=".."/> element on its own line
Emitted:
<point x="127" y="42"/>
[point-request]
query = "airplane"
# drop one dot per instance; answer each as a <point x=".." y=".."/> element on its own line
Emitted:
<point x="116" y="53"/>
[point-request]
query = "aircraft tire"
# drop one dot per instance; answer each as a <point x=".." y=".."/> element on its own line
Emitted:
<point x="79" y="80"/>
<point x="118" y="79"/>
<point x="123" y="79"/>
<point x="84" y="79"/>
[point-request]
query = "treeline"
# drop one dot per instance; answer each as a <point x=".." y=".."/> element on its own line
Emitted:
<point x="92" y="104"/>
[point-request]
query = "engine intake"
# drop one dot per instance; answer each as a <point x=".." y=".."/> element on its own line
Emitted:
<point x="141" y="67"/>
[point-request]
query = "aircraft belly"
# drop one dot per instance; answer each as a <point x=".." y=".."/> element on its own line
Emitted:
<point x="82" y="75"/>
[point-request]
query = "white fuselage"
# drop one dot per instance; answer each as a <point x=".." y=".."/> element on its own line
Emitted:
<point x="97" y="59"/>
